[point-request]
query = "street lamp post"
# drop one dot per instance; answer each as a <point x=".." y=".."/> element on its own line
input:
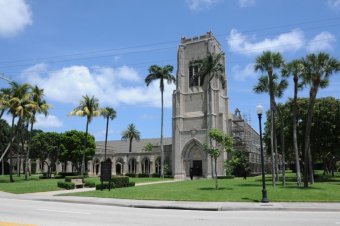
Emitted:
<point x="259" y="110"/>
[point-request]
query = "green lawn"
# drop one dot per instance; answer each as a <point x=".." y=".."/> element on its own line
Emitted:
<point x="131" y="179"/>
<point x="229" y="190"/>
<point x="20" y="186"/>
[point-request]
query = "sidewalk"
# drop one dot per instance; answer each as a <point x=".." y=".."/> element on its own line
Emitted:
<point x="179" y="205"/>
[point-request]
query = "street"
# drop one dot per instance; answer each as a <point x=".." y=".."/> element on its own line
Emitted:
<point x="28" y="212"/>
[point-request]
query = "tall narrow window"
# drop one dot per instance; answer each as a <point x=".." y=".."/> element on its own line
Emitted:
<point x="193" y="79"/>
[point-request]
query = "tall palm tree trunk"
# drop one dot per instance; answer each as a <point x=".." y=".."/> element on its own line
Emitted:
<point x="295" y="142"/>
<point x="272" y="145"/>
<point x="10" y="153"/>
<point x="27" y="169"/>
<point x="283" y="155"/>
<point x="130" y="145"/>
<point x="216" y="181"/>
<point x="85" y="147"/>
<point x="107" y="128"/>
<point x="162" y="148"/>
<point x="308" y="157"/>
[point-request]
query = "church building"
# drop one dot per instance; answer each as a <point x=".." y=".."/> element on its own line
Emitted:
<point x="197" y="106"/>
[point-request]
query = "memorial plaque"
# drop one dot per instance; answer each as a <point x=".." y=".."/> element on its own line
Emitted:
<point x="105" y="171"/>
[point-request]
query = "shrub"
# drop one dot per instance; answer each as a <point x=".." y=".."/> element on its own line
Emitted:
<point x="66" y="185"/>
<point x="132" y="184"/>
<point x="64" y="174"/>
<point x="143" y="175"/>
<point x="105" y="186"/>
<point x="226" y="177"/>
<point x="130" y="175"/>
<point x="120" y="182"/>
<point x="90" y="184"/>
<point x="155" y="175"/>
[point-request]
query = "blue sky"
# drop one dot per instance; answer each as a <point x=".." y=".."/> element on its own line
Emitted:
<point x="104" y="48"/>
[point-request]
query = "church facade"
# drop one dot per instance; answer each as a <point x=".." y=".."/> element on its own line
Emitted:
<point x="198" y="105"/>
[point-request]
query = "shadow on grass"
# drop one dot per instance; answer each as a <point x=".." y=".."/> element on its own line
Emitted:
<point x="249" y="185"/>
<point x="250" y="200"/>
<point x="212" y="189"/>
<point x="303" y="188"/>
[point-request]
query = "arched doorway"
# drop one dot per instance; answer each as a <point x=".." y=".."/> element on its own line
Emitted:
<point x="119" y="166"/>
<point x="158" y="166"/>
<point x="145" y="166"/>
<point x="132" y="165"/>
<point x="96" y="166"/>
<point x="194" y="157"/>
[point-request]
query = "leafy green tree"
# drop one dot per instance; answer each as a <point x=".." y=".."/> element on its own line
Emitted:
<point x="89" y="108"/>
<point x="325" y="130"/>
<point x="317" y="70"/>
<point x="295" y="68"/>
<point x="239" y="163"/>
<point x="47" y="146"/>
<point x="267" y="63"/>
<point x="148" y="147"/>
<point x="219" y="142"/>
<point x="162" y="74"/>
<point x="19" y="105"/>
<point x="73" y="151"/>
<point x="131" y="133"/>
<point x="108" y="114"/>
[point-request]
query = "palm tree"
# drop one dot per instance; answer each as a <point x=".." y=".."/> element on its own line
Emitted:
<point x="317" y="70"/>
<point x="162" y="73"/>
<point x="19" y="105"/>
<point x="108" y="113"/>
<point x="210" y="67"/>
<point x="37" y="95"/>
<point x="267" y="63"/>
<point x="278" y="88"/>
<point x="5" y="94"/>
<point x="89" y="108"/>
<point x="295" y="68"/>
<point x="131" y="133"/>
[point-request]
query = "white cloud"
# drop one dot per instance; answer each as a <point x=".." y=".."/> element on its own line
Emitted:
<point x="15" y="15"/>
<point x="48" y="122"/>
<point x="242" y="74"/>
<point x="290" y="41"/>
<point x="246" y="3"/>
<point x="320" y="42"/>
<point x="111" y="86"/>
<point x="198" y="5"/>
<point x="334" y="4"/>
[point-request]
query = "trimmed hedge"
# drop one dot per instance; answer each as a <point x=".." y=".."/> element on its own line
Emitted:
<point x="90" y="184"/>
<point x="120" y="182"/>
<point x="226" y="177"/>
<point x="105" y="186"/>
<point x="64" y="174"/>
<point x="143" y="175"/>
<point x="131" y="175"/>
<point x="66" y="185"/>
<point x="132" y="184"/>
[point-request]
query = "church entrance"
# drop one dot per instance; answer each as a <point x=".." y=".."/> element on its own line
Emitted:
<point x="197" y="168"/>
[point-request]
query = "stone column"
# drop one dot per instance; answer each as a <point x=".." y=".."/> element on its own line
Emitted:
<point x="125" y="165"/>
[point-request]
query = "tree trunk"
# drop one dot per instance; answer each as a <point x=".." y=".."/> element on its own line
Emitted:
<point x="295" y="142"/>
<point x="107" y="130"/>
<point x="272" y="145"/>
<point x="307" y="157"/>
<point x="28" y="153"/>
<point x="130" y="145"/>
<point x="311" y="171"/>
<point x="162" y="148"/>
<point x="85" y="147"/>
<point x="277" y="171"/>
<point x="216" y="181"/>
<point x="10" y="154"/>
<point x="283" y="156"/>
<point x="209" y="109"/>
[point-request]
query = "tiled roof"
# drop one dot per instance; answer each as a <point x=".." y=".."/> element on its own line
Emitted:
<point x="119" y="146"/>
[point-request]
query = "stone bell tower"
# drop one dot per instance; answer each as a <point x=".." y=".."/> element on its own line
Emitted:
<point x="195" y="111"/>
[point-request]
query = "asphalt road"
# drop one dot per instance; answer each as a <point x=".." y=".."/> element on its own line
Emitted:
<point x="28" y="212"/>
